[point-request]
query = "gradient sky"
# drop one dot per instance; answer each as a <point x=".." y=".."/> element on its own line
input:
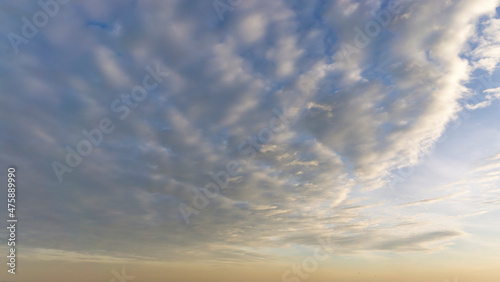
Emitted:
<point x="385" y="158"/>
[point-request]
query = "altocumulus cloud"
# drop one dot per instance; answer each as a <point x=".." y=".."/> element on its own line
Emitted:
<point x="353" y="120"/>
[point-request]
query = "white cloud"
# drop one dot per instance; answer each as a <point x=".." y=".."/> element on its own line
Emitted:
<point x="351" y="122"/>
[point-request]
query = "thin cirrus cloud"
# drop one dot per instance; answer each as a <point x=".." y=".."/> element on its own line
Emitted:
<point x="433" y="200"/>
<point x="353" y="120"/>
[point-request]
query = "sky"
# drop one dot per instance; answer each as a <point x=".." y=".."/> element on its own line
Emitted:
<point x="249" y="140"/>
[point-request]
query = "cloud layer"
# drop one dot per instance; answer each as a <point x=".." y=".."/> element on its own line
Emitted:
<point x="351" y="117"/>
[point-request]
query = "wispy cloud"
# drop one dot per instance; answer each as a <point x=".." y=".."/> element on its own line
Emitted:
<point x="433" y="200"/>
